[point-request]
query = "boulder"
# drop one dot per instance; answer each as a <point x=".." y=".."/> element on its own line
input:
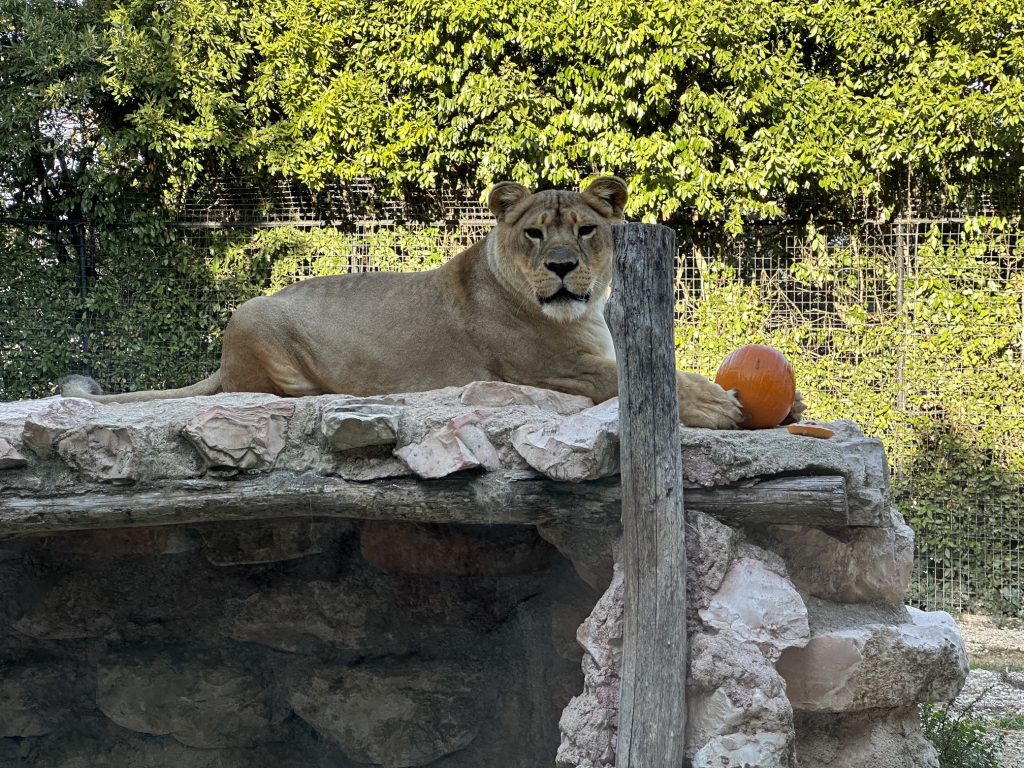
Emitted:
<point x="584" y="446"/>
<point x="877" y="666"/>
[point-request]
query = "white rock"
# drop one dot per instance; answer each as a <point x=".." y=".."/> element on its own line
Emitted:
<point x="877" y="666"/>
<point x="758" y="606"/>
<point x="584" y="446"/>
<point x="745" y="750"/>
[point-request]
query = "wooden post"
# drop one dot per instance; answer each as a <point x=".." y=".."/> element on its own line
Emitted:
<point x="652" y="704"/>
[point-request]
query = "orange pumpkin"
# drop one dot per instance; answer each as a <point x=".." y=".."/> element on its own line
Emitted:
<point x="764" y="381"/>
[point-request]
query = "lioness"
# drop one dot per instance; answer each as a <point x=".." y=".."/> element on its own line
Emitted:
<point x="524" y="305"/>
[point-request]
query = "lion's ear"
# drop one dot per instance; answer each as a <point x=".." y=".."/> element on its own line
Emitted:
<point x="610" y="195"/>
<point x="504" y="196"/>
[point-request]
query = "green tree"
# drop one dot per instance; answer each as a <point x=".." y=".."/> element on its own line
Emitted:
<point x="716" y="109"/>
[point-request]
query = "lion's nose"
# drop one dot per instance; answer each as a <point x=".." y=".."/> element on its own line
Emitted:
<point x="561" y="268"/>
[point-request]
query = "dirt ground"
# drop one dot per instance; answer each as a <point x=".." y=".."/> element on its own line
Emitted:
<point x="995" y="685"/>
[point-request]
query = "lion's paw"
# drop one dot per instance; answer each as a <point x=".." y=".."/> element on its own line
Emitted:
<point x="702" y="403"/>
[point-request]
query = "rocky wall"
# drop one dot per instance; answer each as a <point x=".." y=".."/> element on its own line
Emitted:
<point x="406" y="581"/>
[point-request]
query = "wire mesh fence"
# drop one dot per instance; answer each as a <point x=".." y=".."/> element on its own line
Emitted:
<point x="912" y="328"/>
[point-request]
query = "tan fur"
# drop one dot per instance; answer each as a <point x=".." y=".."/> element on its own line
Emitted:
<point x="488" y="314"/>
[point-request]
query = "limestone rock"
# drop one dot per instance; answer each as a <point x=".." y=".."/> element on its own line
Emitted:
<point x="853" y="740"/>
<point x="496" y="394"/>
<point x="245" y="438"/>
<point x="589" y="723"/>
<point x="710" y="547"/>
<point x="103" y="454"/>
<point x="261" y="542"/>
<point x="851" y="566"/>
<point x="43" y="428"/>
<point x="877" y="666"/>
<point x="10" y="458"/>
<point x="584" y="446"/>
<point x="760" y="607"/>
<point x="745" y="750"/>
<point x="360" y="423"/>
<point x="460" y="444"/>
<point x="202" y="702"/>
<point x="394" y="715"/>
<point x="737" y="705"/>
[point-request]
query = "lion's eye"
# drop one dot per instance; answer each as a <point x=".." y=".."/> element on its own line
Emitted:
<point x="586" y="230"/>
<point x="534" y="234"/>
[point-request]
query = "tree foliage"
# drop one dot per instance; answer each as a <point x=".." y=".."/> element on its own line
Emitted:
<point x="716" y="108"/>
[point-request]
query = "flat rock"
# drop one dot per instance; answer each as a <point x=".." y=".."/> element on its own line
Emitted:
<point x="201" y="702"/>
<point x="496" y="394"/>
<point x="584" y="446"/>
<point x="877" y="666"/>
<point x="244" y="437"/>
<point x="394" y="715"/>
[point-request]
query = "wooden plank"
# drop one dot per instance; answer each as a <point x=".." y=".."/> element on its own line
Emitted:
<point x="815" y="501"/>
<point x="652" y="699"/>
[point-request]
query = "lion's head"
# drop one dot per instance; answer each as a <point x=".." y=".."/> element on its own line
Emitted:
<point x="554" y="248"/>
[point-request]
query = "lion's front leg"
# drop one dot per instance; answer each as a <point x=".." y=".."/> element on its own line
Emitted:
<point x="702" y="403"/>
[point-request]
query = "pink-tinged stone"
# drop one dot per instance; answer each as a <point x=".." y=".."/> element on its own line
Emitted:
<point x="760" y="607"/>
<point x="104" y="454"/>
<point x="460" y="444"/>
<point x="244" y="437"/>
<point x="584" y="446"/>
<point x="43" y="429"/>
<point x="877" y="666"/>
<point x="10" y="457"/>
<point x="495" y="394"/>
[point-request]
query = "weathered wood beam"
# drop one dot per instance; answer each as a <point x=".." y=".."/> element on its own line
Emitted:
<point x="652" y="699"/>
<point x="815" y="501"/>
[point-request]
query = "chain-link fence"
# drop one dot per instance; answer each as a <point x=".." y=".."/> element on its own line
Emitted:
<point x="912" y="328"/>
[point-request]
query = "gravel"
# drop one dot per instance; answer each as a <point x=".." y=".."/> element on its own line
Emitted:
<point x="995" y="685"/>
